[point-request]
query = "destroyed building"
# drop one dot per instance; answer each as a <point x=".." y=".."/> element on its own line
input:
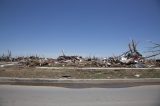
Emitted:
<point x="130" y="58"/>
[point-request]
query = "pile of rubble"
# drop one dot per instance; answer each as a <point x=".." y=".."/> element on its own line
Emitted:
<point x="131" y="58"/>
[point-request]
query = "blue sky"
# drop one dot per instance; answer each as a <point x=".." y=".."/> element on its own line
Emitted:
<point x="79" y="27"/>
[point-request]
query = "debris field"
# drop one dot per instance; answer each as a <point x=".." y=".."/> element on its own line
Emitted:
<point x="130" y="59"/>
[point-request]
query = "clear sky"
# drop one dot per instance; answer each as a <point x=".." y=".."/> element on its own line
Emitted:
<point x="79" y="27"/>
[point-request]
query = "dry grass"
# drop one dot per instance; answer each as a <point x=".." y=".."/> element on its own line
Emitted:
<point x="25" y="72"/>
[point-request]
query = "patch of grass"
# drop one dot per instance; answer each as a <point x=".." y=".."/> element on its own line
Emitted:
<point x="26" y="72"/>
